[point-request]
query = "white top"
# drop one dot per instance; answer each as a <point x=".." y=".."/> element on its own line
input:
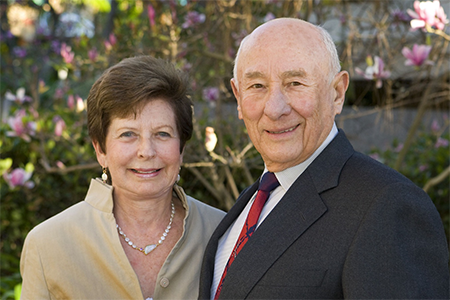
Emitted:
<point x="286" y="178"/>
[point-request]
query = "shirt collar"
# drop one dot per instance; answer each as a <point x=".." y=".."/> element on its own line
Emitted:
<point x="289" y="175"/>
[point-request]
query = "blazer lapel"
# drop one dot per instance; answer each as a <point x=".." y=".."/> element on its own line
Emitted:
<point x="300" y="207"/>
<point x="207" y="273"/>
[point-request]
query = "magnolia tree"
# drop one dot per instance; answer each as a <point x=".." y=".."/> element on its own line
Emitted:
<point x="51" y="54"/>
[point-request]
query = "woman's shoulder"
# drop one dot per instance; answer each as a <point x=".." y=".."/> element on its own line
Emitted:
<point x="203" y="209"/>
<point x="59" y="222"/>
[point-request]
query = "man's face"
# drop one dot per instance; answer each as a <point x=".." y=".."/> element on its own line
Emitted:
<point x="285" y="94"/>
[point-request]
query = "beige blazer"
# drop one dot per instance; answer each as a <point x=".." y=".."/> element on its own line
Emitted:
<point x="77" y="254"/>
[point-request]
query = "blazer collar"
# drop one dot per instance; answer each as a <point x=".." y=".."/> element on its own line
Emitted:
<point x="300" y="207"/>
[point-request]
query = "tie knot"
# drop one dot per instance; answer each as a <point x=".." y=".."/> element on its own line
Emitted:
<point x="268" y="182"/>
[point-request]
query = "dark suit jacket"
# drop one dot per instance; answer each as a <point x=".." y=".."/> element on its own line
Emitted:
<point x="349" y="227"/>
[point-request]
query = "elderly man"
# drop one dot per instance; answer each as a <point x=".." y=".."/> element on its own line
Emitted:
<point x="337" y="224"/>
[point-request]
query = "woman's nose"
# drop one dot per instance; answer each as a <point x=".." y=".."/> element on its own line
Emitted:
<point x="146" y="148"/>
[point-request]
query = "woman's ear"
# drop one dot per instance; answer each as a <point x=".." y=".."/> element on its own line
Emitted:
<point x="101" y="156"/>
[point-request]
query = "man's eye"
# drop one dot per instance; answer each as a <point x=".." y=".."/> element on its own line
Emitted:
<point x="295" y="83"/>
<point x="257" y="86"/>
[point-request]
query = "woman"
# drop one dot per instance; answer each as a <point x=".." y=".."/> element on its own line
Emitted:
<point x="140" y="237"/>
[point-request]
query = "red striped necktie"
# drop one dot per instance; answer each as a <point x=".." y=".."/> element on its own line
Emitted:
<point x="268" y="183"/>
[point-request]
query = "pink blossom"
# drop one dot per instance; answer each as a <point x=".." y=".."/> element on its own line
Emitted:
<point x="399" y="16"/>
<point x="93" y="54"/>
<point x="112" y="39"/>
<point x="110" y="42"/>
<point x="269" y="16"/>
<point x="19" y="97"/>
<point x="60" y="125"/>
<point x="398" y="148"/>
<point x="71" y="102"/>
<point x="151" y="15"/>
<point x="192" y="18"/>
<point x="18" y="177"/>
<point x="59" y="93"/>
<point x="435" y="126"/>
<point x="428" y="14"/>
<point x="418" y="56"/>
<point x="375" y="72"/>
<point x="211" y="94"/>
<point x="423" y="168"/>
<point x="21" y="128"/>
<point x="60" y="164"/>
<point x="67" y="54"/>
<point x="441" y="143"/>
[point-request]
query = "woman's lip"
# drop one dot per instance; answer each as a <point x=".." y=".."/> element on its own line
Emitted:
<point x="145" y="171"/>
<point x="284" y="130"/>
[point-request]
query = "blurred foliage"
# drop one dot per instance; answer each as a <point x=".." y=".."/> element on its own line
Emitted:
<point x="55" y="50"/>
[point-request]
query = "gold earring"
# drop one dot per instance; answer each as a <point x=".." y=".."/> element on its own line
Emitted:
<point x="105" y="175"/>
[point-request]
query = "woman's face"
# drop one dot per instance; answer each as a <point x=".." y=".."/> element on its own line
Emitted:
<point x="143" y="153"/>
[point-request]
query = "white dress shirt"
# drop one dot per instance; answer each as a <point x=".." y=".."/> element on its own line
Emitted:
<point x="286" y="178"/>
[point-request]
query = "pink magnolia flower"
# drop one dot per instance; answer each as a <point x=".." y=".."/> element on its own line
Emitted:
<point x="112" y="39"/>
<point x="435" y="127"/>
<point x="67" y="54"/>
<point x="398" y="148"/>
<point x="151" y="15"/>
<point x="192" y="18"/>
<point x="20" y="127"/>
<point x="211" y="94"/>
<point x="71" y="102"/>
<point x="441" y="143"/>
<point x="92" y="54"/>
<point x="18" y="177"/>
<point x="110" y="42"/>
<point x="19" y="97"/>
<point x="423" y="168"/>
<point x="269" y="16"/>
<point x="428" y="13"/>
<point x="375" y="71"/>
<point x="60" y="125"/>
<point x="418" y="56"/>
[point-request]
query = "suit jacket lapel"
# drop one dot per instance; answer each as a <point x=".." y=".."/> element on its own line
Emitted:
<point x="207" y="273"/>
<point x="300" y="207"/>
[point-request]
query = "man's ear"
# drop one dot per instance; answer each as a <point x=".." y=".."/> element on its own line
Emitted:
<point x="235" y="88"/>
<point x="101" y="156"/>
<point x="340" y="85"/>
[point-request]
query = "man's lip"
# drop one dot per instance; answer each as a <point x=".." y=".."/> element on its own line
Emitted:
<point x="283" y="130"/>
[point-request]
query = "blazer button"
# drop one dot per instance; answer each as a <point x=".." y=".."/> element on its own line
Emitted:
<point x="164" y="282"/>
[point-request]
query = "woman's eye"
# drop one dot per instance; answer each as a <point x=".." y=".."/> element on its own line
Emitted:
<point x="127" y="134"/>
<point x="163" y="134"/>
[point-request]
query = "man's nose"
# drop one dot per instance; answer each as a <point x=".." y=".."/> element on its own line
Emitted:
<point x="277" y="104"/>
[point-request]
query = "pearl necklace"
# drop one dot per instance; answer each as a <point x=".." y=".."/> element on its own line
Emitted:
<point x="149" y="248"/>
